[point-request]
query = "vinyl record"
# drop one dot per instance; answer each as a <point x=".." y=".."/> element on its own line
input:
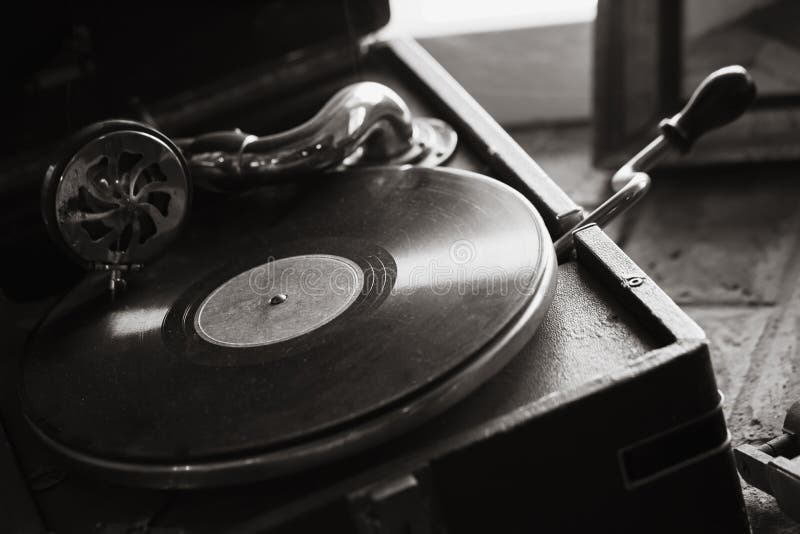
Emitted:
<point x="258" y="347"/>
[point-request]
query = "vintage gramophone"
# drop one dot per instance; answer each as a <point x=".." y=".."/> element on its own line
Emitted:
<point x="165" y="392"/>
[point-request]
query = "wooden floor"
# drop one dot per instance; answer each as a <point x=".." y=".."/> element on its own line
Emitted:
<point x="722" y="242"/>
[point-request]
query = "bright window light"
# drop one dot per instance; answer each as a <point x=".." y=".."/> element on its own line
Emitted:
<point x="424" y="18"/>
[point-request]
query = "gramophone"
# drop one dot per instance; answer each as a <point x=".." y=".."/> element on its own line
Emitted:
<point x="363" y="309"/>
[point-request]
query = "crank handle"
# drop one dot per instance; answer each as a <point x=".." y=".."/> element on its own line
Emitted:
<point x="720" y="99"/>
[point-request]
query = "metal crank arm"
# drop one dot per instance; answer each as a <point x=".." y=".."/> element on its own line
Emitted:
<point x="721" y="98"/>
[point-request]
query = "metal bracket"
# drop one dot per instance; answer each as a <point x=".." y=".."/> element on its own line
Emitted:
<point x="774" y="467"/>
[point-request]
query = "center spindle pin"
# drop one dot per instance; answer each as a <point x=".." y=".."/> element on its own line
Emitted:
<point x="280" y="298"/>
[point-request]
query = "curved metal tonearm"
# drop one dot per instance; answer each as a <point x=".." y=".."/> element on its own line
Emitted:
<point x="721" y="98"/>
<point x="365" y="123"/>
<point x="123" y="195"/>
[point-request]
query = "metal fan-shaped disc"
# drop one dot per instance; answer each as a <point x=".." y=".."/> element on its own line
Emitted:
<point x="121" y="198"/>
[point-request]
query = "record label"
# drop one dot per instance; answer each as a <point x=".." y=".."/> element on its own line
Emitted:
<point x="279" y="300"/>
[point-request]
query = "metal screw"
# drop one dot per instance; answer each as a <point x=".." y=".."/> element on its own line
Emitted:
<point x="280" y="298"/>
<point x="635" y="281"/>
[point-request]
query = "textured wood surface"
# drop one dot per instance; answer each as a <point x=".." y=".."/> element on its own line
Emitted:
<point x="722" y="242"/>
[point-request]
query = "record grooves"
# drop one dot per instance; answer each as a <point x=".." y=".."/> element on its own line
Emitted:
<point x="458" y="271"/>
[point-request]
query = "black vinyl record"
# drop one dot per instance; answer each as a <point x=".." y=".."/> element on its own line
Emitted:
<point x="256" y="348"/>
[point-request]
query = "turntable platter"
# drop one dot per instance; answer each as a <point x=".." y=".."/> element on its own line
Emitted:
<point x="254" y="349"/>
